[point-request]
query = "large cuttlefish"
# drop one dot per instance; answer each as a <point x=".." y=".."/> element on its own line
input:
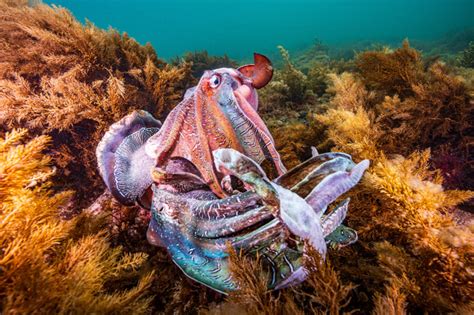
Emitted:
<point x="201" y="175"/>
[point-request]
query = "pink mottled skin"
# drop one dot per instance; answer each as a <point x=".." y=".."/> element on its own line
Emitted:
<point x="221" y="112"/>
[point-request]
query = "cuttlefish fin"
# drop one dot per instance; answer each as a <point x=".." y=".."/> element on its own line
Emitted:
<point x="123" y="163"/>
<point x="261" y="72"/>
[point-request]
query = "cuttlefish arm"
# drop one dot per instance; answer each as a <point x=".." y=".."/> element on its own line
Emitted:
<point x="180" y="186"/>
<point x="334" y="185"/>
<point x="301" y="216"/>
<point x="190" y="131"/>
<point x="198" y="243"/>
<point x="300" y="175"/>
<point x="214" y="234"/>
<point x="259" y="74"/>
<point x="220" y="112"/>
<point x="291" y="209"/>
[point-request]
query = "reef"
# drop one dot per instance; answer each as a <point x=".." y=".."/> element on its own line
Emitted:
<point x="67" y="246"/>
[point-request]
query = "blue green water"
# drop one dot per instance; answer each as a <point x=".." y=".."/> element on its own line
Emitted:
<point x="240" y="27"/>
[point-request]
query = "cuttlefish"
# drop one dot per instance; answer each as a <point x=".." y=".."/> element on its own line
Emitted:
<point x="201" y="175"/>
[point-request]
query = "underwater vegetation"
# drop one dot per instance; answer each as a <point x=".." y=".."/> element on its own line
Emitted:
<point x="466" y="58"/>
<point x="48" y="265"/>
<point x="201" y="61"/>
<point x="404" y="117"/>
<point x="66" y="83"/>
<point x="70" y="81"/>
<point x="396" y="87"/>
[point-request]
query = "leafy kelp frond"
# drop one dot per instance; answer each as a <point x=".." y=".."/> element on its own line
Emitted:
<point x="20" y="167"/>
<point x="441" y="96"/>
<point x="402" y="120"/>
<point x="166" y="84"/>
<point x="354" y="134"/>
<point x="295" y="79"/>
<point x="322" y="293"/>
<point x="318" y="78"/>
<point x="349" y="92"/>
<point x="42" y="267"/>
<point x="289" y="89"/>
<point x="295" y="137"/>
<point x="393" y="302"/>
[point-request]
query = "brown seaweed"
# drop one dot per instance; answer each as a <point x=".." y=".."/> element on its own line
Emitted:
<point x="52" y="266"/>
<point x="410" y="116"/>
<point x="70" y="81"/>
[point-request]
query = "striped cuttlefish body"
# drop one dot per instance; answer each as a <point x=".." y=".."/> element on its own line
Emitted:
<point x="200" y="173"/>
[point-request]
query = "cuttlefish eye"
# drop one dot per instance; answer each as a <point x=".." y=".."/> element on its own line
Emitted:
<point x="214" y="81"/>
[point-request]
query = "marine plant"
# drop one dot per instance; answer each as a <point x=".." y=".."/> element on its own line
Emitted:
<point x="70" y="81"/>
<point x="402" y="90"/>
<point x="202" y="61"/>
<point x="322" y="293"/>
<point x="317" y="53"/>
<point x="48" y="265"/>
<point x="404" y="209"/>
<point x="294" y="78"/>
<point x="466" y="58"/>
<point x="393" y="72"/>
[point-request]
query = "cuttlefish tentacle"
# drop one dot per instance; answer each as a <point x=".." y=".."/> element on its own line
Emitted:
<point x="231" y="225"/>
<point x="163" y="144"/>
<point x="208" y="217"/>
<point x="226" y="207"/>
<point x="271" y="232"/>
<point x="219" y="113"/>
<point x="291" y="209"/>
<point x="204" y="259"/>
<point x="265" y="138"/>
<point x="299" y="172"/>
<point x="333" y="219"/>
<point x="331" y="166"/>
<point x="334" y="185"/>
<point x="207" y="266"/>
<point x="211" y="209"/>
